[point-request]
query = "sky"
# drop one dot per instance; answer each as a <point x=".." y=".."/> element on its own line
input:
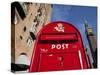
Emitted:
<point x="76" y="15"/>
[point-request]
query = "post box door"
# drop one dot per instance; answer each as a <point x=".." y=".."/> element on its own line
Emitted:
<point x="61" y="61"/>
<point x="50" y="62"/>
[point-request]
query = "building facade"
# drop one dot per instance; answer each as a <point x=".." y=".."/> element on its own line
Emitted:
<point x="92" y="43"/>
<point x="27" y="19"/>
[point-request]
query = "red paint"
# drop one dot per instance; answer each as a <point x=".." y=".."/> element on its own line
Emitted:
<point x="63" y="36"/>
<point x="58" y="46"/>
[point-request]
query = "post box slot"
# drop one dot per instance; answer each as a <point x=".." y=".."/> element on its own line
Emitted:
<point x="58" y="37"/>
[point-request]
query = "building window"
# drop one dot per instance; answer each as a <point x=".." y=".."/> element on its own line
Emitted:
<point x="29" y="41"/>
<point x="32" y="36"/>
<point x="24" y="29"/>
<point x="33" y="28"/>
<point x="21" y="37"/>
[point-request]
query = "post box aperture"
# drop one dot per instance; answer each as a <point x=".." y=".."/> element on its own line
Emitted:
<point x="58" y="46"/>
<point x="59" y="37"/>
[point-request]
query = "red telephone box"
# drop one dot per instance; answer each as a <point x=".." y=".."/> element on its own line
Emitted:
<point x="58" y="46"/>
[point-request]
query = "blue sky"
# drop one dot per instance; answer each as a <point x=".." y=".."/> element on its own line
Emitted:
<point x="76" y="15"/>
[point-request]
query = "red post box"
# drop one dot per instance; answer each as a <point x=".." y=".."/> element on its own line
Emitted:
<point x="58" y="46"/>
